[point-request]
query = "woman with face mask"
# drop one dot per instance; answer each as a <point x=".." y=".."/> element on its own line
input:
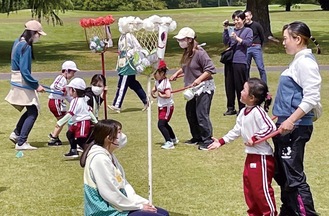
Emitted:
<point x="106" y="190"/>
<point x="197" y="69"/>
<point x="24" y="87"/>
<point x="96" y="92"/>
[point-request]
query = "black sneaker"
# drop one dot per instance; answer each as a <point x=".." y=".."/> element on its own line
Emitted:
<point x="203" y="147"/>
<point x="54" y="141"/>
<point x="230" y="112"/>
<point x="192" y="141"/>
<point x="72" y="154"/>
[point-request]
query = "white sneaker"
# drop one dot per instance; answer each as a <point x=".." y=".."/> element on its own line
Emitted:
<point x="79" y="149"/>
<point x="146" y="106"/>
<point x="13" y="137"/>
<point x="175" y="141"/>
<point x="168" y="145"/>
<point x="114" y="108"/>
<point x="25" y="146"/>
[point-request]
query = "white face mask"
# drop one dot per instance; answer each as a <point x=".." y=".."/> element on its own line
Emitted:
<point x="183" y="44"/>
<point x="97" y="90"/>
<point x="122" y="141"/>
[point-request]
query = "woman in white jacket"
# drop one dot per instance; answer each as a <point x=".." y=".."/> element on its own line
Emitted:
<point x="106" y="190"/>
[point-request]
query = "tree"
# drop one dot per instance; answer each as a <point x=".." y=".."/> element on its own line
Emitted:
<point x="260" y="12"/>
<point x="324" y="4"/>
<point x="47" y="9"/>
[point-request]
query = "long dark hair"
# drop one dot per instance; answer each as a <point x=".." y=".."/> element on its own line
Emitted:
<point x="98" y="77"/>
<point x="259" y="89"/>
<point x="28" y="37"/>
<point x="107" y="128"/>
<point x="298" y="28"/>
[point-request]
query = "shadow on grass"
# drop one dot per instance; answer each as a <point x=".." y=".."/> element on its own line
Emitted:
<point x="39" y="144"/>
<point x="2" y="189"/>
<point x="131" y="110"/>
<point x="176" y="214"/>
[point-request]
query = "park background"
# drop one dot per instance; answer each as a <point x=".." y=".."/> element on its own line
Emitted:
<point x="186" y="181"/>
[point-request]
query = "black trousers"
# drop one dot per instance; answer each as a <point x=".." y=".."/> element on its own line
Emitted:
<point x="124" y="82"/>
<point x="289" y="151"/>
<point x="166" y="130"/>
<point x="235" y="77"/>
<point x="197" y="114"/>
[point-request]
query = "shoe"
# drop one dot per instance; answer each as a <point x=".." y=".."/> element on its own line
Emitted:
<point x="175" y="141"/>
<point x="114" y="108"/>
<point x="203" y="147"/>
<point x="25" y="146"/>
<point x="146" y="106"/>
<point x="73" y="153"/>
<point x="168" y="145"/>
<point x="54" y="141"/>
<point x="13" y="137"/>
<point x="79" y="149"/>
<point x="192" y="141"/>
<point x="230" y="112"/>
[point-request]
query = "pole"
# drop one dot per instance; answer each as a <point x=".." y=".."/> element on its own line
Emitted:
<point x="104" y="74"/>
<point x="149" y="138"/>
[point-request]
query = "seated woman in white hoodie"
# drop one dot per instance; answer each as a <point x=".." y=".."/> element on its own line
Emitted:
<point x="106" y="190"/>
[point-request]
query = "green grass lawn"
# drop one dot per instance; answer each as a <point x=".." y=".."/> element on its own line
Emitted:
<point x="68" y="41"/>
<point x="185" y="181"/>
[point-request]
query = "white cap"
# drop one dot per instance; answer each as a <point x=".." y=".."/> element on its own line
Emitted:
<point x="34" y="25"/>
<point x="185" y="32"/>
<point x="77" y="83"/>
<point x="69" y="65"/>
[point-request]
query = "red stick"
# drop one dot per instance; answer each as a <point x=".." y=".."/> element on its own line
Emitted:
<point x="180" y="89"/>
<point x="267" y="137"/>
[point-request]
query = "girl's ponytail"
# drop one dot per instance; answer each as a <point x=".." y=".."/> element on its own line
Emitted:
<point x="318" y="51"/>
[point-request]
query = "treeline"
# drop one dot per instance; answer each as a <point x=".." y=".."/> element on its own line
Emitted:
<point x="134" y="5"/>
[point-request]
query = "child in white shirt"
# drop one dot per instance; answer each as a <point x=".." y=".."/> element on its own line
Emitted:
<point x="252" y="124"/>
<point x="56" y="103"/>
<point x="165" y="105"/>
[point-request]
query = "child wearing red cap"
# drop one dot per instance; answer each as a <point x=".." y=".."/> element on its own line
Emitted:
<point x="165" y="105"/>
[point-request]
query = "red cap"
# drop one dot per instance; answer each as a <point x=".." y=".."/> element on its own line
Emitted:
<point x="162" y="64"/>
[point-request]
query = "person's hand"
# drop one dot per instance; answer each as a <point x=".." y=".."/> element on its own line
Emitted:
<point x="196" y="82"/>
<point x="214" y="145"/>
<point x="225" y="23"/>
<point x="149" y="208"/>
<point x="233" y="35"/>
<point x="153" y="94"/>
<point x="249" y="143"/>
<point x="40" y="89"/>
<point x="173" y="77"/>
<point x="286" y="127"/>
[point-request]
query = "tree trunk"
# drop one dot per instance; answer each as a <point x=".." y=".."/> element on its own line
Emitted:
<point x="260" y="13"/>
<point x="288" y="6"/>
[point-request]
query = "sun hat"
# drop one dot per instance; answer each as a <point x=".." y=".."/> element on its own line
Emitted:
<point x="69" y="65"/>
<point x="185" y="32"/>
<point x="34" y="25"/>
<point x="77" y="83"/>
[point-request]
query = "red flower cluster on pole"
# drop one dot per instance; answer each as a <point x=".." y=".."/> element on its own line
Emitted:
<point x="100" y="21"/>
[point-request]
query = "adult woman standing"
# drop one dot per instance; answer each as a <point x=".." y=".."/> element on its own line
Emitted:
<point x="236" y="72"/>
<point x="197" y="69"/>
<point x="23" y="92"/>
<point x="298" y="93"/>
<point x="106" y="189"/>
